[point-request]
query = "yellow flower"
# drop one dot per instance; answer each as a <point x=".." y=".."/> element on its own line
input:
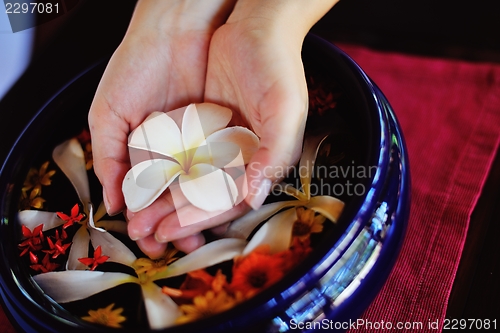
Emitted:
<point x="37" y="178"/>
<point x="106" y="316"/>
<point x="307" y="223"/>
<point x="207" y="305"/>
<point x="151" y="267"/>
<point x="32" y="200"/>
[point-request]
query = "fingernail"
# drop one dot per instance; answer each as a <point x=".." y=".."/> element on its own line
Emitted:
<point x="107" y="204"/>
<point x="259" y="194"/>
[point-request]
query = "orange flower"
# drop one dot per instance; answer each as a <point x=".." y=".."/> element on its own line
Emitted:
<point x="206" y="305"/>
<point x="256" y="271"/>
<point x="37" y="178"/>
<point x="197" y="283"/>
<point x="307" y="223"/>
<point x="297" y="252"/>
<point x="32" y="200"/>
<point x="106" y="316"/>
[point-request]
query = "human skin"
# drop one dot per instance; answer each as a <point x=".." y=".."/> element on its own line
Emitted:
<point x="245" y="55"/>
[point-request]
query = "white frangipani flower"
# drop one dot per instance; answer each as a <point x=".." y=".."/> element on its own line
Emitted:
<point x="278" y="230"/>
<point x="69" y="157"/>
<point x="162" y="311"/>
<point x="191" y="145"/>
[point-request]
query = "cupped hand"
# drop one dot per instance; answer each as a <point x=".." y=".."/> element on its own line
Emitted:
<point x="254" y="68"/>
<point x="159" y="66"/>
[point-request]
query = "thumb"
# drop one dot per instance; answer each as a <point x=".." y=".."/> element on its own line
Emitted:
<point x="281" y="137"/>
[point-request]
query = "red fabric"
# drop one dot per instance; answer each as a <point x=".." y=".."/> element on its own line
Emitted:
<point x="450" y="114"/>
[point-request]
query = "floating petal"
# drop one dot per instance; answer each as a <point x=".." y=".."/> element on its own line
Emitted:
<point x="307" y="160"/>
<point x="243" y="226"/>
<point x="33" y="218"/>
<point x="69" y="156"/>
<point x="329" y="207"/>
<point x="112" y="247"/>
<point x="160" y="308"/>
<point x="205" y="256"/>
<point x="68" y="286"/>
<point x="277" y="233"/>
<point x="209" y="188"/>
<point x="79" y="249"/>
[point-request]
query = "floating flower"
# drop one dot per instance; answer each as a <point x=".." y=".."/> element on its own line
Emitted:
<point x="308" y="222"/>
<point x="69" y="157"/>
<point x="46" y="265"/>
<point x="256" y="271"/>
<point x="196" y="149"/>
<point x="71" y="285"/>
<point x="277" y="232"/>
<point x="106" y="316"/>
<point x="38" y="178"/>
<point x="33" y="240"/>
<point x="197" y="282"/>
<point x="32" y="200"/>
<point x="69" y="220"/>
<point x="56" y="248"/>
<point x="151" y="267"/>
<point x="96" y="260"/>
<point x="206" y="305"/>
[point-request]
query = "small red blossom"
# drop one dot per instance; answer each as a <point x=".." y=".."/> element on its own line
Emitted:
<point x="96" y="260"/>
<point x="33" y="239"/>
<point x="75" y="216"/>
<point x="56" y="248"/>
<point x="46" y="265"/>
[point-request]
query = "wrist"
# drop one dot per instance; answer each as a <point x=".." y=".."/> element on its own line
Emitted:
<point x="179" y="16"/>
<point x="293" y="17"/>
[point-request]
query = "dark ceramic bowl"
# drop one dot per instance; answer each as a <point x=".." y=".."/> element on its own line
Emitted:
<point x="335" y="283"/>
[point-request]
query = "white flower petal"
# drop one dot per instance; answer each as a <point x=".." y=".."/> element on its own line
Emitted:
<point x="328" y="206"/>
<point x="277" y="233"/>
<point x="158" y="133"/>
<point x="68" y="286"/>
<point x="307" y="160"/>
<point x="160" y="308"/>
<point x="192" y="132"/>
<point x="213" y="117"/>
<point x="79" y="249"/>
<point x="112" y="247"/>
<point x="245" y="139"/>
<point x="243" y="226"/>
<point x="137" y="197"/>
<point x="160" y="172"/>
<point x="219" y="154"/>
<point x="70" y="158"/>
<point x="208" y="255"/>
<point x="209" y="188"/>
<point x="33" y="218"/>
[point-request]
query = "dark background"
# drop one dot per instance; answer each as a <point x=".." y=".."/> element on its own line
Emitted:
<point x="451" y="29"/>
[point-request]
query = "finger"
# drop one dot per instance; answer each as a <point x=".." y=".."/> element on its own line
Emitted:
<point x="190" y="243"/>
<point x="280" y="143"/>
<point x="170" y="228"/>
<point x="145" y="222"/>
<point x="151" y="247"/>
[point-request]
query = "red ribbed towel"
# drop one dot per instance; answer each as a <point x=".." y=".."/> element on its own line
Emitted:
<point x="450" y="114"/>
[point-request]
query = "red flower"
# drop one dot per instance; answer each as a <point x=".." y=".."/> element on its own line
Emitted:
<point x="97" y="260"/>
<point x="46" y="265"/>
<point x="33" y="241"/>
<point x="75" y="216"/>
<point x="56" y="248"/>
<point x="256" y="271"/>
